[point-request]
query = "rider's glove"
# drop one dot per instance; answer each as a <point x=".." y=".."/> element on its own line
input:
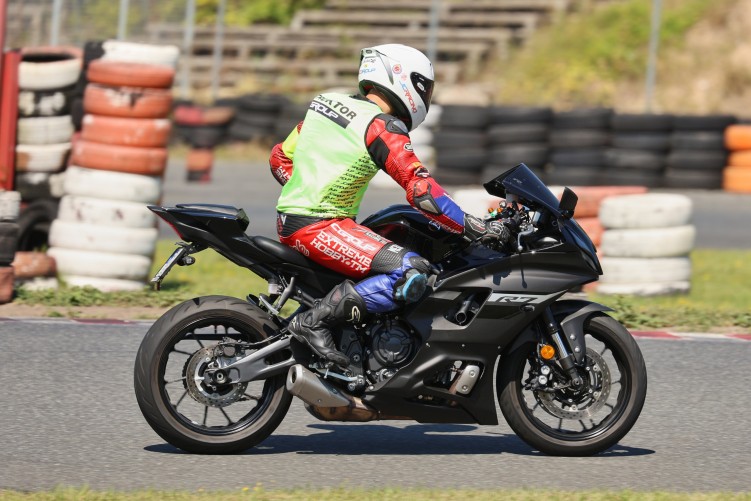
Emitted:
<point x="488" y="232"/>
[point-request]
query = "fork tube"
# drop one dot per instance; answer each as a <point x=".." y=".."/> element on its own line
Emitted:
<point x="564" y="356"/>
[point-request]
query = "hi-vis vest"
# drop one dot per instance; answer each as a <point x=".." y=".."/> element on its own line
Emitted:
<point x="331" y="164"/>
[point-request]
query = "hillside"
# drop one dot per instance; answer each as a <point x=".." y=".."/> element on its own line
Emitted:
<point x="597" y="57"/>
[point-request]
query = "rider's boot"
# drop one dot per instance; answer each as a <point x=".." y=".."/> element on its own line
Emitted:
<point x="341" y="305"/>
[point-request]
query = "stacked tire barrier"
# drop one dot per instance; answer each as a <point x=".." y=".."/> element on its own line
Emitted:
<point x="639" y="147"/>
<point x="646" y="244"/>
<point x="10" y="202"/>
<point x="460" y="144"/>
<point x="203" y="129"/>
<point x="104" y="236"/>
<point x="47" y="82"/>
<point x="737" y="174"/>
<point x="698" y="155"/>
<point x="256" y="116"/>
<point x="514" y="135"/>
<point x="579" y="140"/>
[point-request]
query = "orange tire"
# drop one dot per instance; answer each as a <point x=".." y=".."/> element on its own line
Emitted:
<point x="590" y="197"/>
<point x="34" y="264"/>
<point x="121" y="74"/>
<point x="593" y="227"/>
<point x="740" y="159"/>
<point x="127" y="102"/>
<point x="195" y="115"/>
<point x="200" y="159"/>
<point x="141" y="132"/>
<point x="7" y="279"/>
<point x="144" y="161"/>
<point x="738" y="137"/>
<point x="737" y="179"/>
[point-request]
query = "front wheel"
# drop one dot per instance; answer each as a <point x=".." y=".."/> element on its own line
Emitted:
<point x="173" y="394"/>
<point x="561" y="421"/>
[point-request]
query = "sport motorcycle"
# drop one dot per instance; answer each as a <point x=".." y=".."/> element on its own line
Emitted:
<point x="216" y="374"/>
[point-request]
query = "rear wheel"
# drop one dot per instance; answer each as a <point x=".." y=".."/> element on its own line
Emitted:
<point x="173" y="394"/>
<point x="561" y="421"/>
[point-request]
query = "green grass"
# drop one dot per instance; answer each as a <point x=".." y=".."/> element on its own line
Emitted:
<point x="719" y="297"/>
<point x="387" y="494"/>
<point x="580" y="62"/>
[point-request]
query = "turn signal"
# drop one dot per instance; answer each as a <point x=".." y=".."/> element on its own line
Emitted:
<point x="547" y="352"/>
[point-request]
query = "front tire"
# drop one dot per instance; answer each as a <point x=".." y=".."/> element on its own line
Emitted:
<point x="562" y="423"/>
<point x="172" y="395"/>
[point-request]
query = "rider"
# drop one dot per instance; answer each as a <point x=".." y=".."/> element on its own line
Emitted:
<point x="325" y="165"/>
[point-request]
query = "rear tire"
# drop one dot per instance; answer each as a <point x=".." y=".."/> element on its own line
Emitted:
<point x="536" y="425"/>
<point x="173" y="421"/>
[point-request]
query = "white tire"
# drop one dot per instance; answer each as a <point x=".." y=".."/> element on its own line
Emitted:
<point x="645" y="289"/>
<point x="421" y="136"/>
<point x="433" y="117"/>
<point x="48" y="75"/>
<point x="105" y="212"/>
<point x="648" y="242"/>
<point x="129" y="52"/>
<point x="45" y="130"/>
<point x="649" y="210"/>
<point x="100" y="264"/>
<point x="41" y="157"/>
<point x="105" y="284"/>
<point x="103" y="238"/>
<point x="10" y="205"/>
<point x="112" y="185"/>
<point x="48" y="104"/>
<point x="37" y="283"/>
<point x="625" y="270"/>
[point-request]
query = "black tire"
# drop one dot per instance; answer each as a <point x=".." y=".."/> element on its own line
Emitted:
<point x="8" y="242"/>
<point x="153" y="366"/>
<point x="499" y="135"/>
<point x="698" y="160"/>
<point x="262" y="103"/>
<point x="656" y="141"/>
<point x="465" y="159"/>
<point x="456" y="177"/>
<point x="583" y="118"/>
<point x="698" y="140"/>
<point x="574" y="176"/>
<point x="533" y="154"/>
<point x="635" y="159"/>
<point x="506" y="115"/>
<point x="45" y="103"/>
<point x="693" y="179"/>
<point x="465" y="139"/>
<point x="578" y="138"/>
<point x="641" y="122"/>
<point x="202" y="136"/>
<point x="620" y="353"/>
<point x="464" y="117"/>
<point x="703" y="122"/>
<point x="632" y="177"/>
<point x="578" y="157"/>
<point x="34" y="224"/>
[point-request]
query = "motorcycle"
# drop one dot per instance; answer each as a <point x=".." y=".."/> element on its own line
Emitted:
<point x="216" y="374"/>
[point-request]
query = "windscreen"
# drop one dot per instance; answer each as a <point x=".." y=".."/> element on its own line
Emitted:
<point x="524" y="183"/>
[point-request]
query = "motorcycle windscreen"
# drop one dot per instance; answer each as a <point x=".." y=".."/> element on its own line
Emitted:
<point x="522" y="182"/>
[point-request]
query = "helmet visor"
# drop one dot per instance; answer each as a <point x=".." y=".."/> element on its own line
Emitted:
<point x="424" y="88"/>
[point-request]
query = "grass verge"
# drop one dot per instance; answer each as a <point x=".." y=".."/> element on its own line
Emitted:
<point x="719" y="297"/>
<point x="388" y="494"/>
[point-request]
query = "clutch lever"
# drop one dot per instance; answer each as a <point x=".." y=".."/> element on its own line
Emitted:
<point x="530" y="229"/>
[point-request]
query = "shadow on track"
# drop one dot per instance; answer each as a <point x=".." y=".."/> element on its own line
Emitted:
<point x="414" y="440"/>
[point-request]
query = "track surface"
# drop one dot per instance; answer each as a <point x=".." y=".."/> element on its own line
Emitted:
<point x="69" y="417"/>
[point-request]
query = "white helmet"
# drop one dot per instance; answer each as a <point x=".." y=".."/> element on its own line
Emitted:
<point x="403" y="75"/>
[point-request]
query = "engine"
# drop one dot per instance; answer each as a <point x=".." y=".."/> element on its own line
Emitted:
<point x="390" y="344"/>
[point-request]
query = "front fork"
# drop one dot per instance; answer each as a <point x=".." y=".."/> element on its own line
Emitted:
<point x="566" y="356"/>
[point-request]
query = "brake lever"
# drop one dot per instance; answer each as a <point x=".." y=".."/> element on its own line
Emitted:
<point x="524" y="233"/>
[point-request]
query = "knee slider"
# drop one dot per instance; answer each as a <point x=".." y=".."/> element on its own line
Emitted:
<point x="411" y="286"/>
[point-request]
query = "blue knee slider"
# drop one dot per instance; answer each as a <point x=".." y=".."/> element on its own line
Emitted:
<point x="412" y="288"/>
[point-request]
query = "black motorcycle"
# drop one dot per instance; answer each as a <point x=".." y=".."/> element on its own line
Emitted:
<point x="216" y="374"/>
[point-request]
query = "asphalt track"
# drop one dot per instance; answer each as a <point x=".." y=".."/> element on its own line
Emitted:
<point x="69" y="417"/>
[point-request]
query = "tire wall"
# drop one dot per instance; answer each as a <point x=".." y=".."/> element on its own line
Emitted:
<point x="737" y="174"/>
<point x="10" y="202"/>
<point x="104" y="236"/>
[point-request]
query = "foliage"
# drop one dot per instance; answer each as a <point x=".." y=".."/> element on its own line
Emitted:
<point x="580" y="61"/>
<point x="243" y="13"/>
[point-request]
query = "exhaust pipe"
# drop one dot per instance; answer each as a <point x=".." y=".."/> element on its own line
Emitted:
<point x="314" y="390"/>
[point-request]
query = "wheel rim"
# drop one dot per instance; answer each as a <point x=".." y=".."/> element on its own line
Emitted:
<point x="226" y="410"/>
<point x="578" y="416"/>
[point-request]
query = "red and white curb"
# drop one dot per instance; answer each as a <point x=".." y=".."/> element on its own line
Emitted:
<point x="657" y="335"/>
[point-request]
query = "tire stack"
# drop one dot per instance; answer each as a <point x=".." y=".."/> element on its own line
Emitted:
<point x="646" y="244"/>
<point x="10" y="202"/>
<point x="255" y="117"/>
<point x="579" y="140"/>
<point x="737" y="174"/>
<point x="517" y="135"/>
<point x="290" y="115"/>
<point x="47" y="80"/>
<point x="640" y="145"/>
<point x="104" y="236"/>
<point x="460" y="144"/>
<point x="698" y="155"/>
<point x="202" y="129"/>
